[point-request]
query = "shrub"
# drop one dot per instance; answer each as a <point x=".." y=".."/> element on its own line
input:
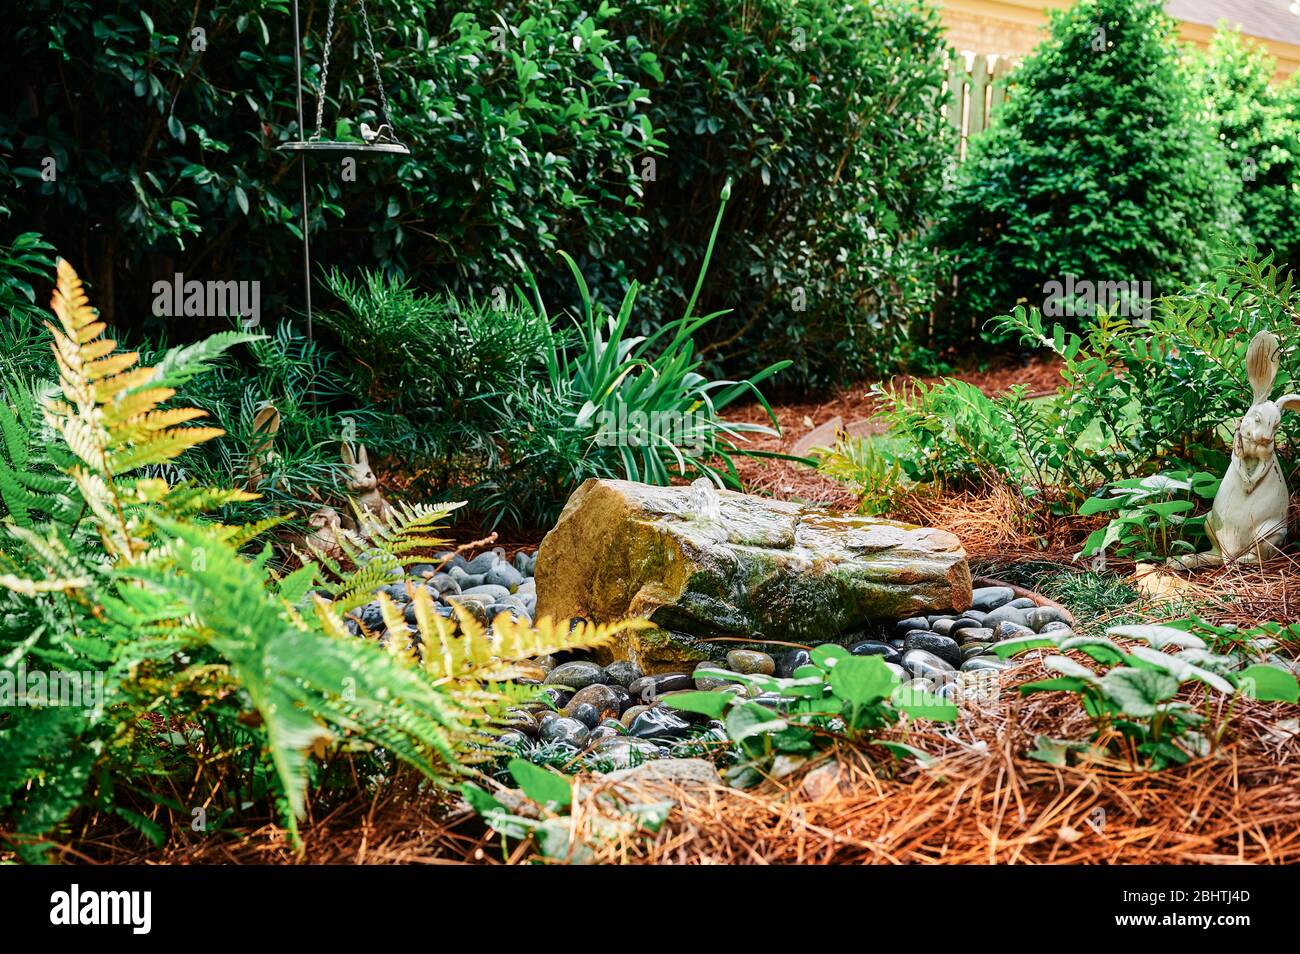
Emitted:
<point x="524" y="120"/>
<point x="1259" y="124"/>
<point x="827" y="115"/>
<point x="1101" y="167"/>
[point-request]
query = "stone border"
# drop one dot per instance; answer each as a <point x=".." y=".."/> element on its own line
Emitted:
<point x="1038" y="598"/>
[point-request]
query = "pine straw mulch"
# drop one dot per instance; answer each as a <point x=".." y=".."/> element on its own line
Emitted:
<point x="980" y="802"/>
<point x="983" y="802"/>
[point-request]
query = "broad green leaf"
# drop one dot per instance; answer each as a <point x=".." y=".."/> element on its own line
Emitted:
<point x="1100" y="649"/>
<point x="748" y="719"/>
<point x="827" y="655"/>
<point x="1157" y="637"/>
<point x="1268" y="684"/>
<point x="862" y="680"/>
<point x="1138" y="692"/>
<point x="710" y="703"/>
<point x="1180" y="669"/>
<point x="1019" y="644"/>
<point x="549" y="789"/>
<point x="924" y="705"/>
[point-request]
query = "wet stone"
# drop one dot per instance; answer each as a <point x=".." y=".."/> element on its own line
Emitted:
<point x="1009" y="614"/>
<point x="944" y="647"/>
<point x="943" y="625"/>
<point x="659" y="723"/>
<point x="1009" y="630"/>
<point x="905" y="626"/>
<point x="650" y="688"/>
<point x="1040" y="616"/>
<point x="566" y="730"/>
<point x="985" y="598"/>
<point x="503" y="574"/>
<point x="630" y="714"/>
<point x="706" y="683"/>
<point x="872" y="647"/>
<point x="750" y="662"/>
<point x="584" y="712"/>
<point x="924" y="664"/>
<point x="576" y="675"/>
<point x="984" y="663"/>
<point x="604" y="699"/>
<point x="792" y="660"/>
<point x="482" y="563"/>
<point x="624" y="672"/>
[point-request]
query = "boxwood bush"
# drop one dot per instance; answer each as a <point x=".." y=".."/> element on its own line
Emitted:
<point x="1258" y="123"/>
<point x="1102" y="166"/>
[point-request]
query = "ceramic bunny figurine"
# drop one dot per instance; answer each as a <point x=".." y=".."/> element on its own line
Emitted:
<point x="326" y="534"/>
<point x="1249" y="519"/>
<point x="370" y="503"/>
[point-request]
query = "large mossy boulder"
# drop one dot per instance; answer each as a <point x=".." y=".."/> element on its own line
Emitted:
<point x="702" y="563"/>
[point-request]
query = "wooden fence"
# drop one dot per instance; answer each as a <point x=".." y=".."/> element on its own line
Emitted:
<point x="976" y="88"/>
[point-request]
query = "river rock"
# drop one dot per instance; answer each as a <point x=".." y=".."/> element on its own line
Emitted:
<point x="705" y="563"/>
<point x="873" y="647"/>
<point x="987" y="598"/>
<point x="576" y="675"/>
<point x="945" y="647"/>
<point x="751" y="662"/>
<point x="792" y="660"/>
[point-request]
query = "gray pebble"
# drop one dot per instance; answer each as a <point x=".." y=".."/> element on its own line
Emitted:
<point x="1007" y="613"/>
<point x="987" y="598"/>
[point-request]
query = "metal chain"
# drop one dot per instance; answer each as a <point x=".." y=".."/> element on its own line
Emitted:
<point x="324" y="72"/>
<point x="374" y="59"/>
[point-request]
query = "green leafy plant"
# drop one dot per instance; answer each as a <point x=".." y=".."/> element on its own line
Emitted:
<point x="827" y="117"/>
<point x="1258" y="124"/>
<point x="837" y="695"/>
<point x="527" y="121"/>
<point x="1132" y="699"/>
<point x="549" y="825"/>
<point x="1134" y="399"/>
<point x="515" y="408"/>
<point x="1154" y="516"/>
<point x="871" y="472"/>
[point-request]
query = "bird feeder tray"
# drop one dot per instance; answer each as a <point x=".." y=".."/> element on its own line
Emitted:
<point x="329" y="148"/>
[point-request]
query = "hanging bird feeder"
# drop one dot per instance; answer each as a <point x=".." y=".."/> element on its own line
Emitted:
<point x="374" y="142"/>
<point x="379" y="142"/>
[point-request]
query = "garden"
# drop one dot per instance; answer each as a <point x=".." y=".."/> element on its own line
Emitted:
<point x="560" y="433"/>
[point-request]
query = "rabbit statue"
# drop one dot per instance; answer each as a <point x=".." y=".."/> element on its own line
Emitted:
<point x="1248" y="521"/>
<point x="368" y="501"/>
<point x="327" y="534"/>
